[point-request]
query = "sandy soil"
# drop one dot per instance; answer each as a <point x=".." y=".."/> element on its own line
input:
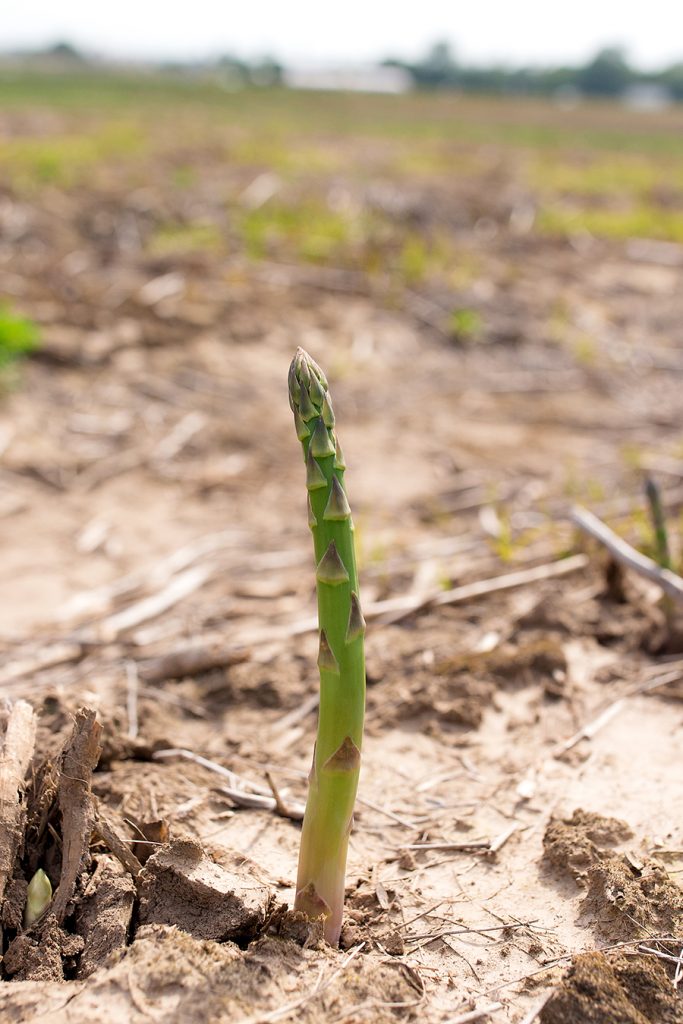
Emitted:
<point x="152" y="500"/>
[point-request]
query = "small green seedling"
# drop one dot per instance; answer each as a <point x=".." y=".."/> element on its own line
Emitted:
<point x="336" y="760"/>
<point x="659" y="527"/>
<point x="38" y="897"/>
<point x="18" y="336"/>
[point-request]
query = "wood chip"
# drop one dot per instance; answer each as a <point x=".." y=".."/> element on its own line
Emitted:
<point x="79" y="759"/>
<point x="15" y="758"/>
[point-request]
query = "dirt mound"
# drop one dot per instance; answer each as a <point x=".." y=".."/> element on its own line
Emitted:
<point x="534" y="660"/>
<point x="618" y="990"/>
<point x="625" y="897"/>
<point x="169" y="975"/>
<point x="576" y="844"/>
<point x="627" y="900"/>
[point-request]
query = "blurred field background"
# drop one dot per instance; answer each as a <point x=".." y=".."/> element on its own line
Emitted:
<point x="407" y="192"/>
<point x="151" y="218"/>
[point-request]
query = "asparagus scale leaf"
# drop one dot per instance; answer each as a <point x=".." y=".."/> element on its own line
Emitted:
<point x="336" y="760"/>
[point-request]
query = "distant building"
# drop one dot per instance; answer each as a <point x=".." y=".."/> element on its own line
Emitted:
<point x="350" y="79"/>
<point x="647" y="96"/>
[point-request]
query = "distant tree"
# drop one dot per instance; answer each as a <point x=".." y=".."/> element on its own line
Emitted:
<point x="232" y="71"/>
<point x="231" y="63"/>
<point x="607" y="74"/>
<point x="66" y="52"/>
<point x="440" y="57"/>
<point x="438" y="69"/>
<point x="672" y="79"/>
<point x="267" y="72"/>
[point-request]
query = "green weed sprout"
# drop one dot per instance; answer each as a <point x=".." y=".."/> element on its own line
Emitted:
<point x="336" y="760"/>
<point x="38" y="897"/>
<point x="18" y="336"/>
<point x="661" y="534"/>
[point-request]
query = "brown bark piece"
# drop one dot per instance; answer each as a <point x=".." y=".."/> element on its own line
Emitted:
<point x="79" y="760"/>
<point x="15" y="758"/>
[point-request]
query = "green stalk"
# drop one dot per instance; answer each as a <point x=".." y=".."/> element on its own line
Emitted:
<point x="336" y="759"/>
<point x="661" y="535"/>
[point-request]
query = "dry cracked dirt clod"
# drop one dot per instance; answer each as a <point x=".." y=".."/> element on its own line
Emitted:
<point x="104" y="914"/>
<point x="180" y="885"/>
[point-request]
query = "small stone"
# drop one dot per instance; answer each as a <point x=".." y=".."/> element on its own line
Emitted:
<point x="393" y="943"/>
<point x="407" y="860"/>
<point x="351" y="935"/>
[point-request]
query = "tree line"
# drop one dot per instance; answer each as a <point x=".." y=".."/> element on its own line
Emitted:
<point x="607" y="74"/>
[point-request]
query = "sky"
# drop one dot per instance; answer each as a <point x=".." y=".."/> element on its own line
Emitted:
<point x="512" y="32"/>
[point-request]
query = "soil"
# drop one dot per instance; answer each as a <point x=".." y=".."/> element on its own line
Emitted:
<point x="619" y="989"/>
<point x="156" y="570"/>
<point x="577" y="844"/>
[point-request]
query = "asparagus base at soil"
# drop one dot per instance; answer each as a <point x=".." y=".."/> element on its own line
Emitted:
<point x="336" y="761"/>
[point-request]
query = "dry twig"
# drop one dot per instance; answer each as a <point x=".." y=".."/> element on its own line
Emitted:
<point x="132" y="699"/>
<point x="48" y="657"/>
<point x="499" y="841"/>
<point x="151" y="607"/>
<point x="397" y="608"/>
<point x="242" y="792"/>
<point x="116" y="845"/>
<point x="667" y="580"/>
<point x="593" y="726"/>
<point x="475" y="844"/>
<point x="471" y="1015"/>
<point x="189" y="661"/>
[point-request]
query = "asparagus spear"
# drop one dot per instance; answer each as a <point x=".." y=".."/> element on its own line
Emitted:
<point x="38" y="896"/>
<point x="336" y="759"/>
